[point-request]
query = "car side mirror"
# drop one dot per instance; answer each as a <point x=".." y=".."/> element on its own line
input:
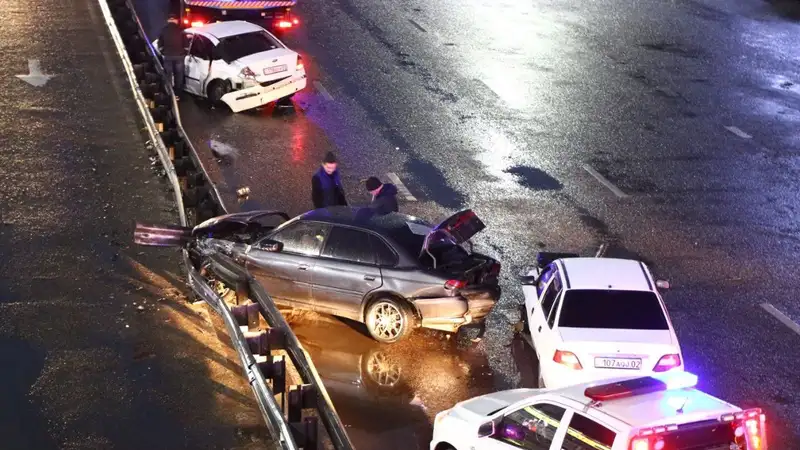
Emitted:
<point x="486" y="430"/>
<point x="662" y="284"/>
<point x="268" y="245"/>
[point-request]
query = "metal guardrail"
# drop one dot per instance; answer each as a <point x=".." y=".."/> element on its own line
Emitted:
<point x="194" y="192"/>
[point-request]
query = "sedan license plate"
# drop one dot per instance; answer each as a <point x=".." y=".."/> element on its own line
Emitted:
<point x="618" y="363"/>
<point x="275" y="69"/>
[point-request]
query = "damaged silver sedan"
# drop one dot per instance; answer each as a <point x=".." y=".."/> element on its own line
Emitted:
<point x="392" y="272"/>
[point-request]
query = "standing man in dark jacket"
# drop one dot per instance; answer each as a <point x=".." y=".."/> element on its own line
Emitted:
<point x="171" y="42"/>
<point x="384" y="196"/>
<point x="326" y="186"/>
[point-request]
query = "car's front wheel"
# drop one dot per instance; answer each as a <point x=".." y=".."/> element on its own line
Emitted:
<point x="217" y="89"/>
<point x="389" y="320"/>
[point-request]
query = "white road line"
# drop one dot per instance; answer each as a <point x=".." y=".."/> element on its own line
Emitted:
<point x="321" y="89"/>
<point x="419" y="27"/>
<point x="738" y="132"/>
<point x="602" y="250"/>
<point x="401" y="188"/>
<point x="604" y="181"/>
<point x="783" y="318"/>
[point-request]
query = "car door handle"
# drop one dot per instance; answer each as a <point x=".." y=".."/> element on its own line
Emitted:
<point x="303" y="267"/>
<point x="369" y="278"/>
<point x="540" y="328"/>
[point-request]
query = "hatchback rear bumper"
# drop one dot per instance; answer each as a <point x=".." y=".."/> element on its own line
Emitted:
<point x="255" y="96"/>
<point x="451" y="313"/>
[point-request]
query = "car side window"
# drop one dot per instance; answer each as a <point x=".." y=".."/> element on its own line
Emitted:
<point x="584" y="433"/>
<point x="550" y="295"/>
<point x="349" y="244"/>
<point x="201" y="48"/>
<point x="532" y="427"/>
<point x="304" y="238"/>
<point x="545" y="276"/>
<point x="551" y="318"/>
<point x="385" y="256"/>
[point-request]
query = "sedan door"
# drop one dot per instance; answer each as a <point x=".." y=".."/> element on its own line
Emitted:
<point x="198" y="64"/>
<point x="539" y="304"/>
<point x="286" y="275"/>
<point x="345" y="272"/>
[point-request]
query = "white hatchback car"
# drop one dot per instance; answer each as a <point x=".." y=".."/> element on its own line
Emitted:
<point x="240" y="64"/>
<point x="658" y="412"/>
<point x="597" y="318"/>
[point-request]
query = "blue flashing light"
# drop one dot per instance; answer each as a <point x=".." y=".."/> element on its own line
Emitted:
<point x="677" y="380"/>
<point x="640" y="386"/>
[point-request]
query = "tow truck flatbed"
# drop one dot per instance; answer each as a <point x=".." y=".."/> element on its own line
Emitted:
<point x="274" y="15"/>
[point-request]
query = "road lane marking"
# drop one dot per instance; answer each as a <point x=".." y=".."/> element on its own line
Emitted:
<point x="401" y="188"/>
<point x="783" y="318"/>
<point x="604" y="181"/>
<point x="738" y="132"/>
<point x="321" y="89"/>
<point x="602" y="250"/>
<point x="419" y="27"/>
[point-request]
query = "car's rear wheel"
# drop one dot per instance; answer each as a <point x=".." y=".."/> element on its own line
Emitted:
<point x="389" y="320"/>
<point x="216" y="90"/>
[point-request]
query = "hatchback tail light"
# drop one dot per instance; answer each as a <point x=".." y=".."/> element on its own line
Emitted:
<point x="668" y="362"/>
<point x="568" y="359"/>
<point x="455" y="284"/>
<point x="247" y="73"/>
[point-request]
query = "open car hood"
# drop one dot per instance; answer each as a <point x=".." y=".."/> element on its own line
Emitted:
<point x="234" y="222"/>
<point x="458" y="228"/>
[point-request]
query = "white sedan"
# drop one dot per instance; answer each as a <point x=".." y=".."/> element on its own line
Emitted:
<point x="240" y="64"/>
<point x="597" y="318"/>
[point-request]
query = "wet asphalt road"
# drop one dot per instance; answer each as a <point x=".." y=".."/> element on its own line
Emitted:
<point x="98" y="347"/>
<point x="686" y="110"/>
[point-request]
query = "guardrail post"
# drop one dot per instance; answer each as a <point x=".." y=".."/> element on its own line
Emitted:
<point x="275" y="370"/>
<point x="247" y="314"/>
<point x="301" y="396"/>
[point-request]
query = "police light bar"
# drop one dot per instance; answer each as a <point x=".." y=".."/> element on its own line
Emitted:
<point x="641" y="386"/>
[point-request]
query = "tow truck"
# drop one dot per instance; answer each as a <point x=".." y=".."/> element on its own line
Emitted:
<point x="274" y="15"/>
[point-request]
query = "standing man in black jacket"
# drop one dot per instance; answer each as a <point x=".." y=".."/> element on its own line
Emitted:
<point x="171" y="42"/>
<point x="326" y="186"/>
<point x="384" y="196"/>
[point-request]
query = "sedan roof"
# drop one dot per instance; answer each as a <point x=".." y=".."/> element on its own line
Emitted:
<point x="363" y="217"/>
<point x="221" y="30"/>
<point x="606" y="273"/>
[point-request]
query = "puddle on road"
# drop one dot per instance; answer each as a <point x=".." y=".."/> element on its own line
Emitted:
<point x="388" y="395"/>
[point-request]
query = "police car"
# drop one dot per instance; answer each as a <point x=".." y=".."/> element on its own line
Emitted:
<point x="597" y="318"/>
<point x="656" y="412"/>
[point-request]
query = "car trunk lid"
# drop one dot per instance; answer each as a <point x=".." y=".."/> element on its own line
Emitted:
<point x="614" y="352"/>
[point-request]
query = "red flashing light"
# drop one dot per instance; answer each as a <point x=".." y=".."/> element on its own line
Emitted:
<point x="198" y="23"/>
<point x="284" y="24"/>
<point x="668" y="362"/>
<point x="296" y="21"/>
<point x="568" y="359"/>
<point x="186" y="21"/>
<point x="455" y="284"/>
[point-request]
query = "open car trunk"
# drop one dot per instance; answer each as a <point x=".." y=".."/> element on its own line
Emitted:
<point x="443" y="250"/>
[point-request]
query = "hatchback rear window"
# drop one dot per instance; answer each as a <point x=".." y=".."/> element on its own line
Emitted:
<point x="238" y="46"/>
<point x="623" y="310"/>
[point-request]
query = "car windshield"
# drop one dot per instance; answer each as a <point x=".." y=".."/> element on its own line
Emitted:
<point x="625" y="310"/>
<point x="238" y="46"/>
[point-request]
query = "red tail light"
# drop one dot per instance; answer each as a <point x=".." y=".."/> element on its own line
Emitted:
<point x="668" y="362"/>
<point x="455" y="284"/>
<point x="750" y="425"/>
<point x="284" y="24"/>
<point x="198" y="23"/>
<point x="300" y="63"/>
<point x="186" y="21"/>
<point x="568" y="359"/>
<point x="295" y="21"/>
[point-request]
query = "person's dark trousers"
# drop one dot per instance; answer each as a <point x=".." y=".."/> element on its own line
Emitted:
<point x="174" y="66"/>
